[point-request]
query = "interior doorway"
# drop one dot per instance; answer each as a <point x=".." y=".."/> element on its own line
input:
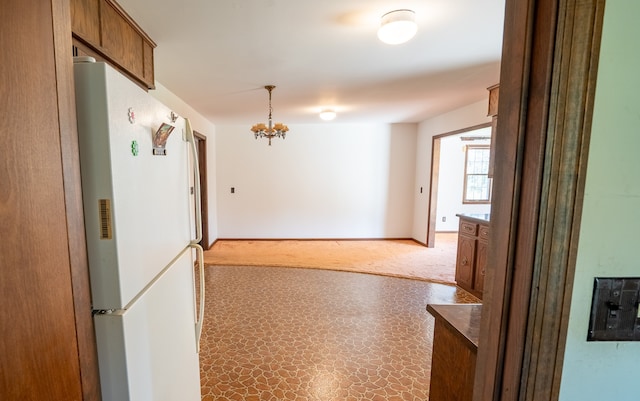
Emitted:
<point x="447" y="179"/>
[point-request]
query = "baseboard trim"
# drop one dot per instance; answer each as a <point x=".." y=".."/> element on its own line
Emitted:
<point x="317" y="239"/>
<point x="330" y="239"/>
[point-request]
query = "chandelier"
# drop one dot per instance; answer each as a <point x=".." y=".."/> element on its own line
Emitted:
<point x="270" y="130"/>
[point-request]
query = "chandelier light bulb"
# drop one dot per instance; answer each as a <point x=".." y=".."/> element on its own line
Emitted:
<point x="397" y="27"/>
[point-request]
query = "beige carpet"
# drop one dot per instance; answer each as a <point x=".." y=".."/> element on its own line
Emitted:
<point x="398" y="258"/>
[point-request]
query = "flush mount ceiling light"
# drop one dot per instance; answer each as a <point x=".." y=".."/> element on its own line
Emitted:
<point x="270" y="130"/>
<point x="397" y="27"/>
<point x="327" y="114"/>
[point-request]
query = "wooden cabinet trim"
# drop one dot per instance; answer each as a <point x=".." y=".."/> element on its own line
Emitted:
<point x="494" y="96"/>
<point x="87" y="353"/>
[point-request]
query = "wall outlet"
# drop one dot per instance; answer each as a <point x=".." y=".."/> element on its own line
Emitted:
<point x="444" y="218"/>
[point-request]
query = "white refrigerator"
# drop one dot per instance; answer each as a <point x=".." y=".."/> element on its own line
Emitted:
<point x="140" y="207"/>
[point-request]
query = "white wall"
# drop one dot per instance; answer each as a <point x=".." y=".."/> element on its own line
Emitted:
<point x="451" y="178"/>
<point x="608" y="244"/>
<point x="346" y="181"/>
<point x="464" y="117"/>
<point x="204" y="127"/>
<point x="322" y="181"/>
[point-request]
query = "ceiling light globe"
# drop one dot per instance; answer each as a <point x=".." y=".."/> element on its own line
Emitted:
<point x="397" y="27"/>
<point x="327" y="115"/>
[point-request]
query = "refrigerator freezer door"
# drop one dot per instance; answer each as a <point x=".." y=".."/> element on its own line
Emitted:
<point x="145" y="196"/>
<point x="149" y="351"/>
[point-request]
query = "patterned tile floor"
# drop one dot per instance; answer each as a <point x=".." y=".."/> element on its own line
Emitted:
<point x="303" y="334"/>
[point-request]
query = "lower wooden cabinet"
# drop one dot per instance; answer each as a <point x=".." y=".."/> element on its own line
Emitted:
<point x="472" y="254"/>
<point x="455" y="346"/>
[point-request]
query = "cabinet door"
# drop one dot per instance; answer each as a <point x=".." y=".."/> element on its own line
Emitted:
<point x="481" y="266"/>
<point x="482" y="257"/>
<point x="85" y="20"/>
<point x="120" y="40"/>
<point x="465" y="261"/>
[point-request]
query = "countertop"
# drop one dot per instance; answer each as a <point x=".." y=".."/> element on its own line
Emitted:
<point x="463" y="318"/>
<point x="476" y="217"/>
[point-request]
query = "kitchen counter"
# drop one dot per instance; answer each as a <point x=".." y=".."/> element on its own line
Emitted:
<point x="480" y="218"/>
<point x="464" y="319"/>
<point x="455" y="346"/>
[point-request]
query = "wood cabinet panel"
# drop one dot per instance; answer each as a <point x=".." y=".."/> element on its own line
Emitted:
<point x="482" y="257"/>
<point x="85" y="19"/>
<point x="453" y="367"/>
<point x="465" y="261"/>
<point x="120" y="40"/>
<point x="455" y="346"/>
<point x="147" y="58"/>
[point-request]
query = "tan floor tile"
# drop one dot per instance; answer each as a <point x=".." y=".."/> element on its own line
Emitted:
<point x="306" y="334"/>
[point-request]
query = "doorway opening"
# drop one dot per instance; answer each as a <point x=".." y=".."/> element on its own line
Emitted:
<point x="449" y="179"/>
<point x="201" y="148"/>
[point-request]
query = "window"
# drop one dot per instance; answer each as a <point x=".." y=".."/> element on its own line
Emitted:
<point x="477" y="185"/>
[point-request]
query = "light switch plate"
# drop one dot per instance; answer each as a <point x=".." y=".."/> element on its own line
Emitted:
<point x="614" y="309"/>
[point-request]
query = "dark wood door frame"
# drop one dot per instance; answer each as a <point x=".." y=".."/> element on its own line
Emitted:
<point x="201" y="146"/>
<point x="435" y="181"/>
<point x="548" y="73"/>
<point x="48" y="347"/>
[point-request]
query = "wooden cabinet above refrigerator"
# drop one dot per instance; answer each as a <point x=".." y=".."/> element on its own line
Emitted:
<point x="102" y="29"/>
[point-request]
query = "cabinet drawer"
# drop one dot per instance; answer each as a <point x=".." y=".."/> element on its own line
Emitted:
<point x="483" y="232"/>
<point x="468" y="228"/>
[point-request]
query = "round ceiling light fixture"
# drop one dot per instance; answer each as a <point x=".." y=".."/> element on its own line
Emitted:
<point x="327" y="114"/>
<point x="397" y="26"/>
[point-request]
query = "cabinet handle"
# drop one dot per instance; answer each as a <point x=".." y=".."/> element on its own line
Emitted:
<point x="468" y="228"/>
<point x="464" y="261"/>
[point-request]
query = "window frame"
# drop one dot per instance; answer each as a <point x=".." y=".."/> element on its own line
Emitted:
<point x="465" y="200"/>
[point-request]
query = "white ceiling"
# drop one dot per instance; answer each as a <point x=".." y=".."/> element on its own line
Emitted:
<point x="217" y="55"/>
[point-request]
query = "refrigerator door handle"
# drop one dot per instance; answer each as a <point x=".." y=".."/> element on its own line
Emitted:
<point x="196" y="184"/>
<point x="200" y="317"/>
<point x="195" y="242"/>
